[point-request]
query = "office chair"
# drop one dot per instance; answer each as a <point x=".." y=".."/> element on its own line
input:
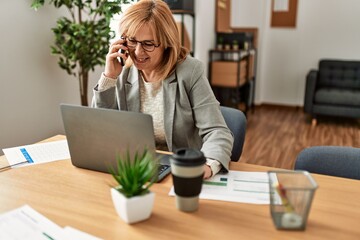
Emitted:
<point x="330" y="160"/>
<point x="236" y="122"/>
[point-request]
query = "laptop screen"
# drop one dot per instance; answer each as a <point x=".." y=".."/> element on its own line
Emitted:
<point x="96" y="135"/>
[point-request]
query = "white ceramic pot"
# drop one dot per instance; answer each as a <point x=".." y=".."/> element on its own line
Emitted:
<point x="134" y="209"/>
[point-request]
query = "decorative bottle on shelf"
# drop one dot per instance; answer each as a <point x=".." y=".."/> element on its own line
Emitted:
<point x="235" y="45"/>
<point x="246" y="46"/>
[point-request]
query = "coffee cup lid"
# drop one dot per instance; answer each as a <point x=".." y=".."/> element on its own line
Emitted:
<point x="188" y="157"/>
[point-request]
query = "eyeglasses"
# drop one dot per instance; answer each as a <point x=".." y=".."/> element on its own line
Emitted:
<point x="148" y="46"/>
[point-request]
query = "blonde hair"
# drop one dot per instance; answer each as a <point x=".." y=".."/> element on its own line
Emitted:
<point x="157" y="15"/>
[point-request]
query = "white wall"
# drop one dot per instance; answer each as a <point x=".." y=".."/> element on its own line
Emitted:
<point x="32" y="84"/>
<point x="204" y="29"/>
<point x="246" y="13"/>
<point x="325" y="29"/>
<point x="252" y="14"/>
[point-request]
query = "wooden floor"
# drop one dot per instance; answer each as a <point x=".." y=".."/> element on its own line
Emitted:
<point x="276" y="134"/>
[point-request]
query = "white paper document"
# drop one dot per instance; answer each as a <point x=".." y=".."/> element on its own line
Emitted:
<point x="37" y="153"/>
<point x="281" y="6"/>
<point x="236" y="186"/>
<point x="26" y="223"/>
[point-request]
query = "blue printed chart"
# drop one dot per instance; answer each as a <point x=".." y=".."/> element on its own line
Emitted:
<point x="37" y="153"/>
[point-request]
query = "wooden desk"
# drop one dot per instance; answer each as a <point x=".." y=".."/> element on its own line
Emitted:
<point x="80" y="198"/>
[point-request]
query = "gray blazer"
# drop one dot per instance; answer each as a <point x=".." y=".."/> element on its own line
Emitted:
<point x="192" y="116"/>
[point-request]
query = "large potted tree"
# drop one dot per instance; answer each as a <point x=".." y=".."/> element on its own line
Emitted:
<point x="82" y="39"/>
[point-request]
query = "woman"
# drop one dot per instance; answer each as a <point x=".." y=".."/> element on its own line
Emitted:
<point x="161" y="79"/>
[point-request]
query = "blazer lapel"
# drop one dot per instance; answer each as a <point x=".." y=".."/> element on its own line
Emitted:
<point x="132" y="91"/>
<point x="169" y="87"/>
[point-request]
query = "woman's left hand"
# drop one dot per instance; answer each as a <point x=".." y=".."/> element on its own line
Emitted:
<point x="207" y="172"/>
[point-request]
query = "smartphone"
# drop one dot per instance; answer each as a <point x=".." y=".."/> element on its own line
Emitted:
<point x="122" y="62"/>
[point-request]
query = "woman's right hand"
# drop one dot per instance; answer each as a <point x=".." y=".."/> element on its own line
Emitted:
<point x="113" y="67"/>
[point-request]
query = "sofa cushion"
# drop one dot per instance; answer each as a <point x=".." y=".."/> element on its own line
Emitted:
<point x="337" y="96"/>
<point x="339" y="74"/>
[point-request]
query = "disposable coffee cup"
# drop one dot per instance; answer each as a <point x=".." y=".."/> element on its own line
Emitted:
<point x="187" y="169"/>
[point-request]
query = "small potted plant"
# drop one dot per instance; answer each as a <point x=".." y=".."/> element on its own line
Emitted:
<point x="227" y="46"/>
<point x="132" y="198"/>
<point x="220" y="43"/>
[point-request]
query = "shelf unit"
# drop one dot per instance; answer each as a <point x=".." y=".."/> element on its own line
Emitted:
<point x="232" y="76"/>
<point x="232" y="73"/>
<point x="186" y="40"/>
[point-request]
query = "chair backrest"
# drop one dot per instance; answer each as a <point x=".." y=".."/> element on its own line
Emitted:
<point x="339" y="74"/>
<point x="330" y="160"/>
<point x="236" y="122"/>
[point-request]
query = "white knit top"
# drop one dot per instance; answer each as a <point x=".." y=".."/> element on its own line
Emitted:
<point x="151" y="102"/>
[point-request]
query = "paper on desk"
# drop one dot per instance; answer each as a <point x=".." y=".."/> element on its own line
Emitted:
<point x="37" y="153"/>
<point x="236" y="186"/>
<point x="26" y="223"/>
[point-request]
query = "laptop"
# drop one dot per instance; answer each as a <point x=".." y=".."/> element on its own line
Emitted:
<point x="96" y="136"/>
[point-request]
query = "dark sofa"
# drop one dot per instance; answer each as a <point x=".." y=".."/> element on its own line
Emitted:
<point x="333" y="89"/>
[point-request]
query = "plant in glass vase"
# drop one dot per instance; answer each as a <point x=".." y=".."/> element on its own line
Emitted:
<point x="82" y="39"/>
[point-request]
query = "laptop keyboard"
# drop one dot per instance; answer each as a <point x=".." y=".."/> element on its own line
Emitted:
<point x="163" y="168"/>
<point x="163" y="171"/>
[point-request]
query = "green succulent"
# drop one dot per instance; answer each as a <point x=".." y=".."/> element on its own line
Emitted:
<point x="135" y="175"/>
